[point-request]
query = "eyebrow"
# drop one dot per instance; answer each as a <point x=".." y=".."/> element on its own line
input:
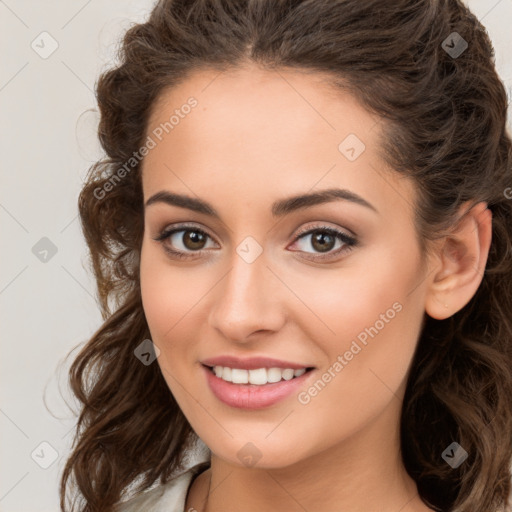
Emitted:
<point x="280" y="208"/>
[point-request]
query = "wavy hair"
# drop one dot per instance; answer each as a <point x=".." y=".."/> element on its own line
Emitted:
<point x="446" y="129"/>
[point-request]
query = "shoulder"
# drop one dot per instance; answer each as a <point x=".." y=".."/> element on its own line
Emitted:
<point x="169" y="497"/>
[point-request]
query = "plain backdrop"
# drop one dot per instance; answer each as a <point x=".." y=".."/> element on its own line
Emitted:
<point x="52" y="54"/>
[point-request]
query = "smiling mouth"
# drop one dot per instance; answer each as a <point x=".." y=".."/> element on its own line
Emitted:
<point x="258" y="376"/>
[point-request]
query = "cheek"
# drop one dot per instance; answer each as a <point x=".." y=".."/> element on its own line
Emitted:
<point x="161" y="301"/>
<point x="366" y="367"/>
<point x="155" y="303"/>
<point x="172" y="300"/>
<point x="370" y="318"/>
<point x="342" y="303"/>
<point x="167" y="293"/>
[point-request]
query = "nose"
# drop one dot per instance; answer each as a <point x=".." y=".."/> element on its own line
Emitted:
<point x="248" y="301"/>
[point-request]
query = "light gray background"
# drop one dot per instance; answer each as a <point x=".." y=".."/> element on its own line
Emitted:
<point x="48" y="141"/>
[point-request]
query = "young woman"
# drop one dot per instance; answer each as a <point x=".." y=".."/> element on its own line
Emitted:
<point x="301" y="236"/>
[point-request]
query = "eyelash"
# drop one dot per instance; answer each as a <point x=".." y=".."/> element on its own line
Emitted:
<point x="349" y="241"/>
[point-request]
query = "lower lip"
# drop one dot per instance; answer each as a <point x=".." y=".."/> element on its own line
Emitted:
<point x="252" y="396"/>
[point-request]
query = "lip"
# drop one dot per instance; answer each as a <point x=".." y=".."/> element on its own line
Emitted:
<point x="252" y="396"/>
<point x="252" y="363"/>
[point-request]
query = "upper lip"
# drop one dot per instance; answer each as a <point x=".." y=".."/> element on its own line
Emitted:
<point x="252" y="363"/>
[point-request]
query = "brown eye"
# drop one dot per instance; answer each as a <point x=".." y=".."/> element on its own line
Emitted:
<point x="193" y="240"/>
<point x="323" y="240"/>
<point x="183" y="241"/>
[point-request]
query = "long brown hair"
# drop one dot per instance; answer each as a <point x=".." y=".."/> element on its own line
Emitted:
<point x="446" y="128"/>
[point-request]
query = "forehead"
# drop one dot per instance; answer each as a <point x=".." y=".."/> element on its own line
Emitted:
<point x="261" y="103"/>
<point x="263" y="133"/>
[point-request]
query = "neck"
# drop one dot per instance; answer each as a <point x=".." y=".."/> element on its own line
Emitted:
<point x="363" y="472"/>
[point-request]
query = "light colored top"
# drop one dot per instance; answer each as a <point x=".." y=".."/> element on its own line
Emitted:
<point x="170" y="497"/>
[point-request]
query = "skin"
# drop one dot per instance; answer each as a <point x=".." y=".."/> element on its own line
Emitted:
<point x="257" y="136"/>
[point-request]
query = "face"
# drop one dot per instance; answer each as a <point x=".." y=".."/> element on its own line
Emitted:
<point x="334" y="285"/>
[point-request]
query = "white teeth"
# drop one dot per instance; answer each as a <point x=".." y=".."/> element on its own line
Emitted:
<point x="226" y="374"/>
<point x="239" y="376"/>
<point x="274" y="375"/>
<point x="288" y="374"/>
<point x="260" y="376"/>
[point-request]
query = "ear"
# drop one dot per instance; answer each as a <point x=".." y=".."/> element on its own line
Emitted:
<point x="460" y="262"/>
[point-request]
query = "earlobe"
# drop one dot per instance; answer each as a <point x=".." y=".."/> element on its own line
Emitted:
<point x="461" y="261"/>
